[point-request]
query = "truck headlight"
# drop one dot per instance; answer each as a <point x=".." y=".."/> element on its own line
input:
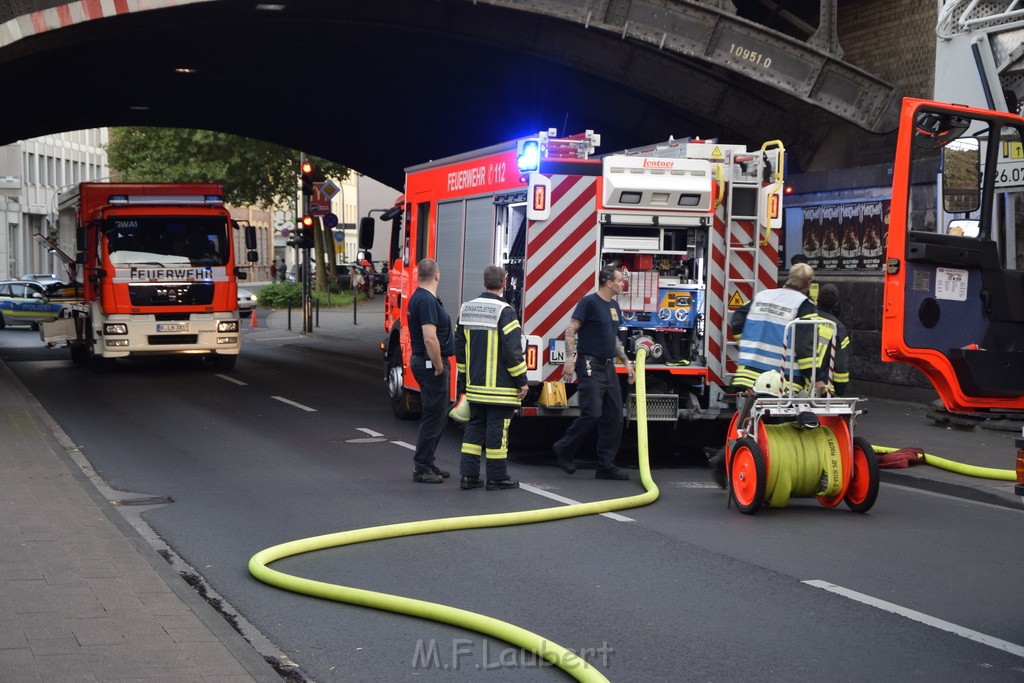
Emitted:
<point x="115" y="328"/>
<point x="227" y="326"/>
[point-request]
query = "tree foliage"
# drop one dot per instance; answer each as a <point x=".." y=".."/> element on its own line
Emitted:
<point x="254" y="173"/>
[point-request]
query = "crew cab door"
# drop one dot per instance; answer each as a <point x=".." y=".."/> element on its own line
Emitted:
<point x="954" y="290"/>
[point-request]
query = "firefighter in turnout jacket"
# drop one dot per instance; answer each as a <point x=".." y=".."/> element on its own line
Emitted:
<point x="828" y="308"/>
<point x="489" y="356"/>
<point x="761" y="325"/>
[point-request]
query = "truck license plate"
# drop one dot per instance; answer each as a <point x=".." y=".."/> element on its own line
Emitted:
<point x="556" y="351"/>
<point x="172" y="327"/>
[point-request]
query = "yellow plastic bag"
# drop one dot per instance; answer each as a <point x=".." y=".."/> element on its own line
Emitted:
<point x="552" y="395"/>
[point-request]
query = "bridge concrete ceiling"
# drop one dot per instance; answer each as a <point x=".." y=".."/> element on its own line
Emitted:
<point x="383" y="84"/>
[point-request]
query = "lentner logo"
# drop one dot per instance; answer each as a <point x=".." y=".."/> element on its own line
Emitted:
<point x="657" y="163"/>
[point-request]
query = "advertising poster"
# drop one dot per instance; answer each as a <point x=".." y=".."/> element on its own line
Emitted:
<point x="812" y="236"/>
<point x="830" y="233"/>
<point x="876" y="222"/>
<point x="852" y="231"/>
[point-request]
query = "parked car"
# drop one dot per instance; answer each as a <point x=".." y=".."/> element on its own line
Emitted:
<point x="45" y="279"/>
<point x="246" y="302"/>
<point x="345" y="271"/>
<point x="25" y="302"/>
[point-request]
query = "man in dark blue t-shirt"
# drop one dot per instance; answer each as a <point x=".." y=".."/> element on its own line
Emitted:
<point x="432" y="341"/>
<point x="596" y="322"/>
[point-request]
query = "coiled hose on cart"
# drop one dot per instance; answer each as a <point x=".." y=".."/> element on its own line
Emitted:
<point x="959" y="467"/>
<point x="561" y="657"/>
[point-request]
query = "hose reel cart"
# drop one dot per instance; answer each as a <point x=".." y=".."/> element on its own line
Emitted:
<point x="782" y="444"/>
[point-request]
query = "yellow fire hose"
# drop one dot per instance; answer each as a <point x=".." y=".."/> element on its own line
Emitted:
<point x="561" y="657"/>
<point x="805" y="463"/>
<point x="959" y="467"/>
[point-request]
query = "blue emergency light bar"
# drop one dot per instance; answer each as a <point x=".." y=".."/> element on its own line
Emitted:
<point x="528" y="158"/>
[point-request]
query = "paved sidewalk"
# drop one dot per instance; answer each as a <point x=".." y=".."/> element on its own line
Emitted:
<point x="82" y="596"/>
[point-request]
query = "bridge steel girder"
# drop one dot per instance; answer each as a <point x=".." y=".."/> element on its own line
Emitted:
<point x="709" y="32"/>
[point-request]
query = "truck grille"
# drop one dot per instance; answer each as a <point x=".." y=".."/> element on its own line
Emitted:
<point x="169" y="339"/>
<point x="171" y="294"/>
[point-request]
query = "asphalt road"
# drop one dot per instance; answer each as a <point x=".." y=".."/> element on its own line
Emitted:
<point x="297" y="443"/>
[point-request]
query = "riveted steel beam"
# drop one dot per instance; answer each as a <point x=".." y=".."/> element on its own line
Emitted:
<point x="813" y="71"/>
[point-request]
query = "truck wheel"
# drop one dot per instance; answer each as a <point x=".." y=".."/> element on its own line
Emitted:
<point x="401" y="398"/>
<point x="224" y="363"/>
<point x="97" y="363"/>
<point x="79" y="354"/>
<point x="101" y="364"/>
<point x="863" y="488"/>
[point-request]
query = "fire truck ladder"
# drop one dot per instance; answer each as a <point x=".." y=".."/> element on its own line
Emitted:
<point x="737" y="250"/>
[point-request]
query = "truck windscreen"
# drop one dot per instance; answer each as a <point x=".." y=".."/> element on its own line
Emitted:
<point x="167" y="240"/>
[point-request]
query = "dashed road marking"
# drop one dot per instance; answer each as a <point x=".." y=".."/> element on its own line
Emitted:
<point x="233" y="380"/>
<point x="570" y="501"/>
<point x="921" y="617"/>
<point x="282" y="399"/>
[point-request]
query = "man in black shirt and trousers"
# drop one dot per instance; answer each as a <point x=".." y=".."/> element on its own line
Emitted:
<point x="430" y="333"/>
<point x="596" y="321"/>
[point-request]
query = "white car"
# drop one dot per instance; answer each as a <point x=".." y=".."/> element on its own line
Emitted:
<point x="246" y="302"/>
<point x="45" y="279"/>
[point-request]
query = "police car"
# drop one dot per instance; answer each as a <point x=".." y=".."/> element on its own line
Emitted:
<point x="25" y="302"/>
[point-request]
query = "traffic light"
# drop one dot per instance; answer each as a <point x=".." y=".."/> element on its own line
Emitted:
<point x="304" y="238"/>
<point x="307" y="178"/>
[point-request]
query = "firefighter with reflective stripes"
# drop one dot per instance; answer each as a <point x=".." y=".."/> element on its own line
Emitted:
<point x="828" y="308"/>
<point x="761" y="327"/>
<point x="489" y="356"/>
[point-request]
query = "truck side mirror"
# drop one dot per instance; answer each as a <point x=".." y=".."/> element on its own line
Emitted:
<point x="250" y="237"/>
<point x="81" y="240"/>
<point x="366" y="228"/>
<point x="241" y="274"/>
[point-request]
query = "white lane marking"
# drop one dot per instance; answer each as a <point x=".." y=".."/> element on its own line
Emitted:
<point x="926" y="619"/>
<point x="263" y="339"/>
<point x="232" y="379"/>
<point x="570" y="501"/>
<point x="534" y="489"/>
<point x="368" y="432"/>
<point x="282" y="399"/>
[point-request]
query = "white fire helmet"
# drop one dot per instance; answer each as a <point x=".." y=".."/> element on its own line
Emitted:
<point x="460" y="413"/>
<point x="771" y="382"/>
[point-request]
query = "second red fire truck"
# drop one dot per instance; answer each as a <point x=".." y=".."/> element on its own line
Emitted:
<point x="692" y="223"/>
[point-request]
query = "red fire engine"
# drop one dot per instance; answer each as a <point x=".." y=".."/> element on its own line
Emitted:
<point x="690" y="222"/>
<point x="157" y="275"/>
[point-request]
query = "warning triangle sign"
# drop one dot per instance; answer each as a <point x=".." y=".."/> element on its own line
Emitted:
<point x="737" y="300"/>
<point x="716" y="153"/>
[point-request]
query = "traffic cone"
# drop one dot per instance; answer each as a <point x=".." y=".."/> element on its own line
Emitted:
<point x="253" y="322"/>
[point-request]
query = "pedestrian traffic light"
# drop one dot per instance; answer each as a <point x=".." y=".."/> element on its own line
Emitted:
<point x="307" y="178"/>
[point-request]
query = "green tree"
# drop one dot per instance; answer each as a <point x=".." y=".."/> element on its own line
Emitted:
<point x="254" y="173"/>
